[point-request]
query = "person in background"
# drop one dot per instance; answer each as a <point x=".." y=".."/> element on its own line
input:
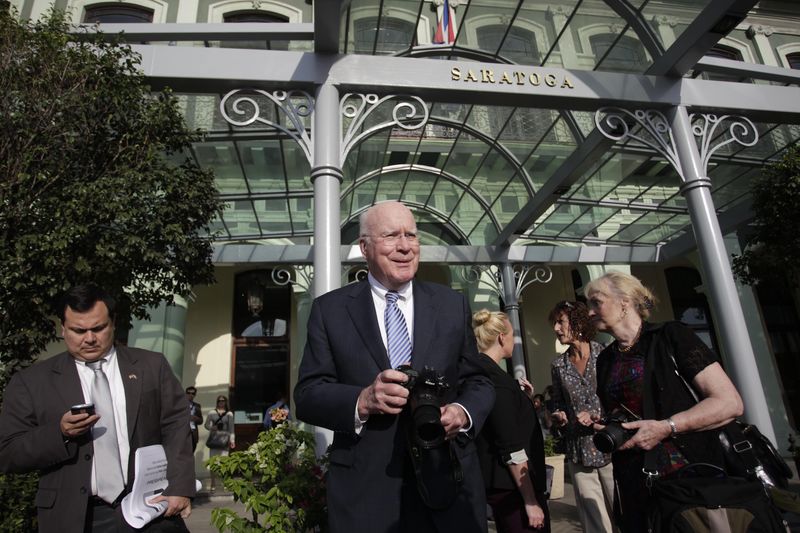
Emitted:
<point x="195" y="415"/>
<point x="682" y="431"/>
<point x="510" y="446"/>
<point x="85" y="459"/>
<point x="277" y="413"/>
<point x="542" y="413"/>
<point x="574" y="393"/>
<point x="220" y="420"/>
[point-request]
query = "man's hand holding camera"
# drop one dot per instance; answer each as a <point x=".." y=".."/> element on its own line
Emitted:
<point x="386" y="395"/>
<point x="453" y="420"/>
<point x="75" y="425"/>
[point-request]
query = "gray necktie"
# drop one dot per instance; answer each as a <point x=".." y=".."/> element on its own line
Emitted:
<point x="108" y="470"/>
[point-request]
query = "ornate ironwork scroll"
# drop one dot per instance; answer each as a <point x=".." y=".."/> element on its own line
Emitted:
<point x="707" y="129"/>
<point x="611" y="121"/>
<point x="410" y="113"/>
<point x="358" y="272"/>
<point x="524" y="276"/>
<point x="296" y="105"/>
<point x="301" y="276"/>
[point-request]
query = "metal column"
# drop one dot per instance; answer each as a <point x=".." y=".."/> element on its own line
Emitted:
<point x="326" y="175"/>
<point x="511" y="308"/>
<point x="717" y="269"/>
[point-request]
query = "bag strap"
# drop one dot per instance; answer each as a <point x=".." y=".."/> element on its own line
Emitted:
<point x="650" y="467"/>
<point x="732" y="433"/>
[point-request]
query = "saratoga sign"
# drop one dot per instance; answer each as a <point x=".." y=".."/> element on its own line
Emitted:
<point x="516" y="77"/>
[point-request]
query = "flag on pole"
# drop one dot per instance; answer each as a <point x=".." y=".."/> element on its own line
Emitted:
<point x="445" y="31"/>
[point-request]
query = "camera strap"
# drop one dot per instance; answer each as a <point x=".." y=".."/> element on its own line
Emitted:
<point x="650" y="467"/>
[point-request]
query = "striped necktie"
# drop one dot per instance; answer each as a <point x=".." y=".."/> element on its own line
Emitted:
<point x="397" y="342"/>
<point x="107" y="467"/>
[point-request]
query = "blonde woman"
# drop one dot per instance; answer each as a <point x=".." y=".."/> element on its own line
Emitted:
<point x="510" y="446"/>
<point x="680" y="431"/>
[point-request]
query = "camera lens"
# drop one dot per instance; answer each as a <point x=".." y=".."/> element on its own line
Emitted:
<point x="611" y="437"/>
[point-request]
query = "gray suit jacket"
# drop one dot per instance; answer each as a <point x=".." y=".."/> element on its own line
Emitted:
<point x="343" y="355"/>
<point x="30" y="434"/>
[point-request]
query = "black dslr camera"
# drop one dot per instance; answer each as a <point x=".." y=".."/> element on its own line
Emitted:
<point x="426" y="391"/>
<point x="611" y="437"/>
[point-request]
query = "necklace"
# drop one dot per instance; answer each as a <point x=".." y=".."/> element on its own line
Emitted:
<point x="626" y="349"/>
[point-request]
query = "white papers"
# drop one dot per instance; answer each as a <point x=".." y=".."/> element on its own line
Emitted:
<point x="150" y="480"/>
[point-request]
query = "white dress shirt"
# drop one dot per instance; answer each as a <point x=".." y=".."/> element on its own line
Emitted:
<point x="111" y="368"/>
<point x="406" y="304"/>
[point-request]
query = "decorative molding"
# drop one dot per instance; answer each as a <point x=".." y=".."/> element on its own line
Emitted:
<point x="758" y="29"/>
<point x="296" y="105"/>
<point x="665" y="20"/>
<point x="559" y="11"/>
<point x="611" y="121"/>
<point x="707" y="129"/>
<point x="411" y="113"/>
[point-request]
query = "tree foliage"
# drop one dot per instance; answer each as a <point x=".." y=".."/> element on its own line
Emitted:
<point x="95" y="182"/>
<point x="772" y="252"/>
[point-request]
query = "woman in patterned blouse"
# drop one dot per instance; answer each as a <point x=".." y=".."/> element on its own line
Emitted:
<point x="575" y="402"/>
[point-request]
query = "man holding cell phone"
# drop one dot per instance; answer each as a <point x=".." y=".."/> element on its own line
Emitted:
<point x="79" y="416"/>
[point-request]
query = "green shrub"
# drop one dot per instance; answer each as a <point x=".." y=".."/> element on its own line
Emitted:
<point x="17" y="492"/>
<point x="278" y="479"/>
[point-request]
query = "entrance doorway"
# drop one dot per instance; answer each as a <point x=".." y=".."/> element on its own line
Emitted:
<point x="261" y="351"/>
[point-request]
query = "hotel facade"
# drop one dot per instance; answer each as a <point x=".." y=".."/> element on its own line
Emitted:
<point x="538" y="143"/>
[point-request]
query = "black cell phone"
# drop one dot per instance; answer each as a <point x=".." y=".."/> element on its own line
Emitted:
<point x="87" y="408"/>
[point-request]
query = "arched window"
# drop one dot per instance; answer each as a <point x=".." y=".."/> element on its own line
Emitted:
<point x="117" y="14"/>
<point x="393" y="35"/>
<point x="723" y="52"/>
<point x="519" y="45"/>
<point x="627" y="54"/>
<point x="794" y="60"/>
<point x="254" y="16"/>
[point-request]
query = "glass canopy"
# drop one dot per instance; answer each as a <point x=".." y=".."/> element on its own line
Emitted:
<point x="472" y="169"/>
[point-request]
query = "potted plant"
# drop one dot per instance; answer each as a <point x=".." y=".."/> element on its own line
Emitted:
<point x="554" y="461"/>
<point x="278" y="479"/>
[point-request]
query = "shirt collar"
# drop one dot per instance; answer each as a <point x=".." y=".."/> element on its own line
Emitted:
<point x="109" y="357"/>
<point x="380" y="290"/>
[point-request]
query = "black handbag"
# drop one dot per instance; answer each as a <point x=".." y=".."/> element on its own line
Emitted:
<point x="692" y="500"/>
<point x="218" y="439"/>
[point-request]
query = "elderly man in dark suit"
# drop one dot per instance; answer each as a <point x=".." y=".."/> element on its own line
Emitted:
<point x="85" y="460"/>
<point x="348" y="384"/>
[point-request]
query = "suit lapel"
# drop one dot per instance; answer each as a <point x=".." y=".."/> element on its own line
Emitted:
<point x="362" y="311"/>
<point x="424" y="323"/>
<point x="67" y="382"/>
<point x="132" y="383"/>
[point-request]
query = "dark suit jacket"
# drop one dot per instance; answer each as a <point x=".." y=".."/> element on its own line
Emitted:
<point x="30" y="434"/>
<point x="343" y="355"/>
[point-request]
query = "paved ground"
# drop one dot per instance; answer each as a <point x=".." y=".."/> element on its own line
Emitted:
<point x="564" y="514"/>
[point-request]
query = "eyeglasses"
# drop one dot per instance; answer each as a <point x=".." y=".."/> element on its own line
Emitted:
<point x="393" y="238"/>
<point x="221" y="400"/>
<point x="193" y="393"/>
